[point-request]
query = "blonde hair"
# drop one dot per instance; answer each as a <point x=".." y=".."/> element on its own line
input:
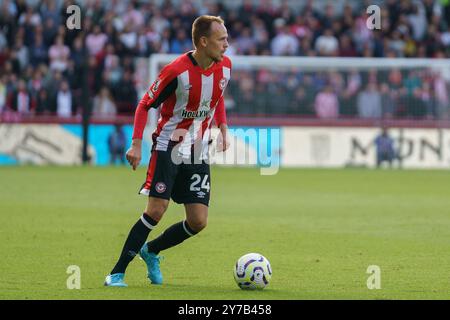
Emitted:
<point x="202" y="27"/>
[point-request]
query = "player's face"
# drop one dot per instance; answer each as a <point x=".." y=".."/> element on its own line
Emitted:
<point x="217" y="42"/>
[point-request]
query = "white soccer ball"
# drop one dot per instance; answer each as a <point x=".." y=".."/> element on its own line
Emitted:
<point x="252" y="271"/>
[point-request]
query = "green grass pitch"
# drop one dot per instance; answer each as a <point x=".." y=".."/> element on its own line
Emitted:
<point x="320" y="229"/>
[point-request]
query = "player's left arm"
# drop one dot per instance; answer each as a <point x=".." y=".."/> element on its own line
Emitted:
<point x="220" y="116"/>
<point x="159" y="91"/>
<point x="221" y="120"/>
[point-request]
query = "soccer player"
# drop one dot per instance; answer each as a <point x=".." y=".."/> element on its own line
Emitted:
<point x="190" y="91"/>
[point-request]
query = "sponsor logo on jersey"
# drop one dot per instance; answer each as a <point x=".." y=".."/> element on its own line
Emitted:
<point x="160" y="187"/>
<point x="195" y="114"/>
<point x="202" y="112"/>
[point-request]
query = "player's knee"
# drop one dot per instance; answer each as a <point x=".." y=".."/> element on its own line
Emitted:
<point x="198" y="224"/>
<point x="156" y="210"/>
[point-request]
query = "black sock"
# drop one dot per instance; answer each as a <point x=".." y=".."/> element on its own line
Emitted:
<point x="136" y="239"/>
<point x="172" y="236"/>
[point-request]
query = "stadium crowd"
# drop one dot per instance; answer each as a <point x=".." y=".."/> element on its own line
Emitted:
<point x="41" y="60"/>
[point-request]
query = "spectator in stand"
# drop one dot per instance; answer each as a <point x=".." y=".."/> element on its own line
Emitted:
<point x="3" y="94"/>
<point x="164" y="45"/>
<point x="50" y="11"/>
<point x="369" y="102"/>
<point x="20" y="99"/>
<point x="300" y="104"/>
<point x="129" y="40"/>
<point x="327" y="44"/>
<point x="260" y="100"/>
<point x="104" y="105"/>
<point x="59" y="54"/>
<point x="78" y="53"/>
<point x="181" y="43"/>
<point x="346" y="47"/>
<point x="143" y="46"/>
<point x="349" y="94"/>
<point x="52" y="82"/>
<point x="260" y="35"/>
<point x="245" y="101"/>
<point x="445" y="37"/>
<point x="49" y="32"/>
<point x="387" y="101"/>
<point x="3" y="43"/>
<point x="113" y="71"/>
<point x="397" y="44"/>
<point x="245" y="42"/>
<point x="412" y="84"/>
<point x="35" y="83"/>
<point x="133" y="17"/>
<point x="284" y="43"/>
<point x="11" y="87"/>
<point x="245" y="11"/>
<point x="278" y="98"/>
<point x="417" y="19"/>
<point x="299" y="28"/>
<point x="29" y="16"/>
<point x="65" y="104"/>
<point x="22" y="53"/>
<point x="96" y="41"/>
<point x="158" y="22"/>
<point x="125" y="94"/>
<point x="326" y="104"/>
<point x="442" y="97"/>
<point x="347" y="19"/>
<point x="45" y="105"/>
<point x="94" y="77"/>
<point x="38" y="51"/>
<point x="29" y="20"/>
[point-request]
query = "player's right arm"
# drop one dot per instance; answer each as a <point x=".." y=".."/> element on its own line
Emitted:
<point x="159" y="91"/>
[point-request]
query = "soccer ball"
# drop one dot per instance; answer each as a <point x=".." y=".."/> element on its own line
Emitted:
<point x="252" y="271"/>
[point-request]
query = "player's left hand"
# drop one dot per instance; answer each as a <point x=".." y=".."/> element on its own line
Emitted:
<point x="223" y="143"/>
<point x="134" y="154"/>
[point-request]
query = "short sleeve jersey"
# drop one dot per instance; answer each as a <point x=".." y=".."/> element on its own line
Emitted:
<point x="189" y="96"/>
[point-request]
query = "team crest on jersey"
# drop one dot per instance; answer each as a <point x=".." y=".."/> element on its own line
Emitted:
<point x="223" y="83"/>
<point x="160" y="187"/>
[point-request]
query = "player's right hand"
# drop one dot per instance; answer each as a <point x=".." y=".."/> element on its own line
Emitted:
<point x="133" y="156"/>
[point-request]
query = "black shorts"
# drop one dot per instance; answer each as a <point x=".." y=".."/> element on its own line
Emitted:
<point x="183" y="182"/>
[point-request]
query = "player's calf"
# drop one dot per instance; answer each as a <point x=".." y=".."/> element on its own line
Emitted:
<point x="196" y="216"/>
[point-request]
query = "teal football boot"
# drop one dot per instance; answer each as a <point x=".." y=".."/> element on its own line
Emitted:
<point x="152" y="262"/>
<point x="115" y="280"/>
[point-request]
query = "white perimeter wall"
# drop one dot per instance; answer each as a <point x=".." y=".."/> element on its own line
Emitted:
<point x="339" y="147"/>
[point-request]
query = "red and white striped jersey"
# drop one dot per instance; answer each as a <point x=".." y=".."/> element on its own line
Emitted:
<point x="190" y="97"/>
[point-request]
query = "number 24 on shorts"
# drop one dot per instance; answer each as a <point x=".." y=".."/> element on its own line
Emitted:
<point x="204" y="184"/>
